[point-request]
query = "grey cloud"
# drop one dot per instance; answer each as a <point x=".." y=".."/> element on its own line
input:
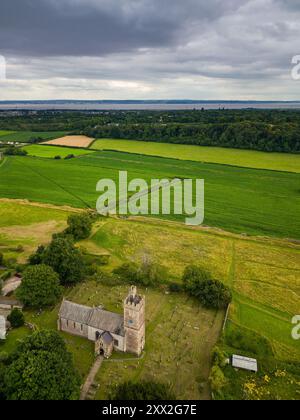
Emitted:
<point x="99" y="27"/>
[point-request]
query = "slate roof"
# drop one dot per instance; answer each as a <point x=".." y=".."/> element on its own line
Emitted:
<point x="93" y="317"/>
<point x="74" y="312"/>
<point x="107" y="338"/>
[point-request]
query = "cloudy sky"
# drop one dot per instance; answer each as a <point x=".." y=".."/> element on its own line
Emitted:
<point x="149" y="49"/>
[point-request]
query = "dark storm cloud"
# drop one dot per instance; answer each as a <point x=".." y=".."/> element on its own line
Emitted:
<point x="99" y="27"/>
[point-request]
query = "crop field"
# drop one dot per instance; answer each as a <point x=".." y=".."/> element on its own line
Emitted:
<point x="239" y="200"/>
<point x="53" y="151"/>
<point x="244" y="158"/>
<point x="26" y="136"/>
<point x="71" y="141"/>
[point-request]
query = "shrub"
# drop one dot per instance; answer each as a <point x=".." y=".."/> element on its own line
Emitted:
<point x="79" y="226"/>
<point x="16" y="318"/>
<point x="217" y="379"/>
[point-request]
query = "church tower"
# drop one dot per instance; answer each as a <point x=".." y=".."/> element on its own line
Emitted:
<point x="134" y="322"/>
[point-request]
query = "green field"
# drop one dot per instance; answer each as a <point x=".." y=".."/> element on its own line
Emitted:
<point x="6" y="133"/>
<point x="235" y="157"/>
<point x="53" y="151"/>
<point x="236" y="199"/>
<point x="263" y="273"/>
<point x="26" y="136"/>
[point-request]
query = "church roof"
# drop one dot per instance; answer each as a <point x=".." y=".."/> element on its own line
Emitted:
<point x="93" y="317"/>
<point x="74" y="312"/>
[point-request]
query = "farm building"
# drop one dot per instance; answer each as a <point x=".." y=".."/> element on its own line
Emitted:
<point x="108" y="330"/>
<point x="244" y="363"/>
<point x="2" y="328"/>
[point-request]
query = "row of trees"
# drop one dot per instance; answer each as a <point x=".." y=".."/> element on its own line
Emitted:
<point x="267" y="130"/>
<point x="243" y="135"/>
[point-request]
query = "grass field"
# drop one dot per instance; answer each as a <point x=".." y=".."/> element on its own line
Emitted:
<point x="26" y="136"/>
<point x="263" y="273"/>
<point x="236" y="199"/>
<point x="53" y="151"/>
<point x="6" y="133"/>
<point x="236" y="157"/>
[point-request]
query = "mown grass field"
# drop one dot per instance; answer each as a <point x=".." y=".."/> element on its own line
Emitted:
<point x="26" y="136"/>
<point x="53" y="151"/>
<point x="235" y="157"/>
<point x="263" y="273"/>
<point x="240" y="200"/>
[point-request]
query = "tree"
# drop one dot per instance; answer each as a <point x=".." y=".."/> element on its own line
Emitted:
<point x="64" y="258"/>
<point x="211" y="293"/>
<point x="40" y="287"/>
<point x="142" y="391"/>
<point x="41" y="368"/>
<point x="79" y="226"/>
<point x="16" y="318"/>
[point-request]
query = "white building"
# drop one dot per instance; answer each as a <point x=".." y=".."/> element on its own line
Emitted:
<point x="2" y="328"/>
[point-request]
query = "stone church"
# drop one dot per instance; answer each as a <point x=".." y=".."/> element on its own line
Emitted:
<point x="109" y="331"/>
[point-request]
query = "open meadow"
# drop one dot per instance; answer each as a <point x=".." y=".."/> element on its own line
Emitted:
<point x="263" y="274"/>
<point x="54" y="151"/>
<point x="244" y="158"/>
<point x="241" y="200"/>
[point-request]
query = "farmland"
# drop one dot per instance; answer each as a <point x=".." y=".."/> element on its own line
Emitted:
<point x="27" y="136"/>
<point x="71" y="141"/>
<point x="263" y="273"/>
<point x="244" y="158"/>
<point x="53" y="151"/>
<point x="239" y="200"/>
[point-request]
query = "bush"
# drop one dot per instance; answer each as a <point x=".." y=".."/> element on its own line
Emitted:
<point x="69" y="157"/>
<point x="16" y="318"/>
<point x="79" y="226"/>
<point x="57" y="157"/>
<point x="142" y="391"/>
<point x="217" y="379"/>
<point x="15" y="151"/>
<point x="175" y="288"/>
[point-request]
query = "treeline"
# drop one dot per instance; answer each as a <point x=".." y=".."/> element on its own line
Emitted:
<point x="265" y="130"/>
<point x="246" y="135"/>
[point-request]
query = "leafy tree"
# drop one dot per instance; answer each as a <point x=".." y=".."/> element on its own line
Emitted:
<point x="79" y="226"/>
<point x="16" y="318"/>
<point x="40" y="287"/>
<point x="41" y="369"/>
<point x="142" y="391"/>
<point x="64" y="258"/>
<point x="211" y="293"/>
